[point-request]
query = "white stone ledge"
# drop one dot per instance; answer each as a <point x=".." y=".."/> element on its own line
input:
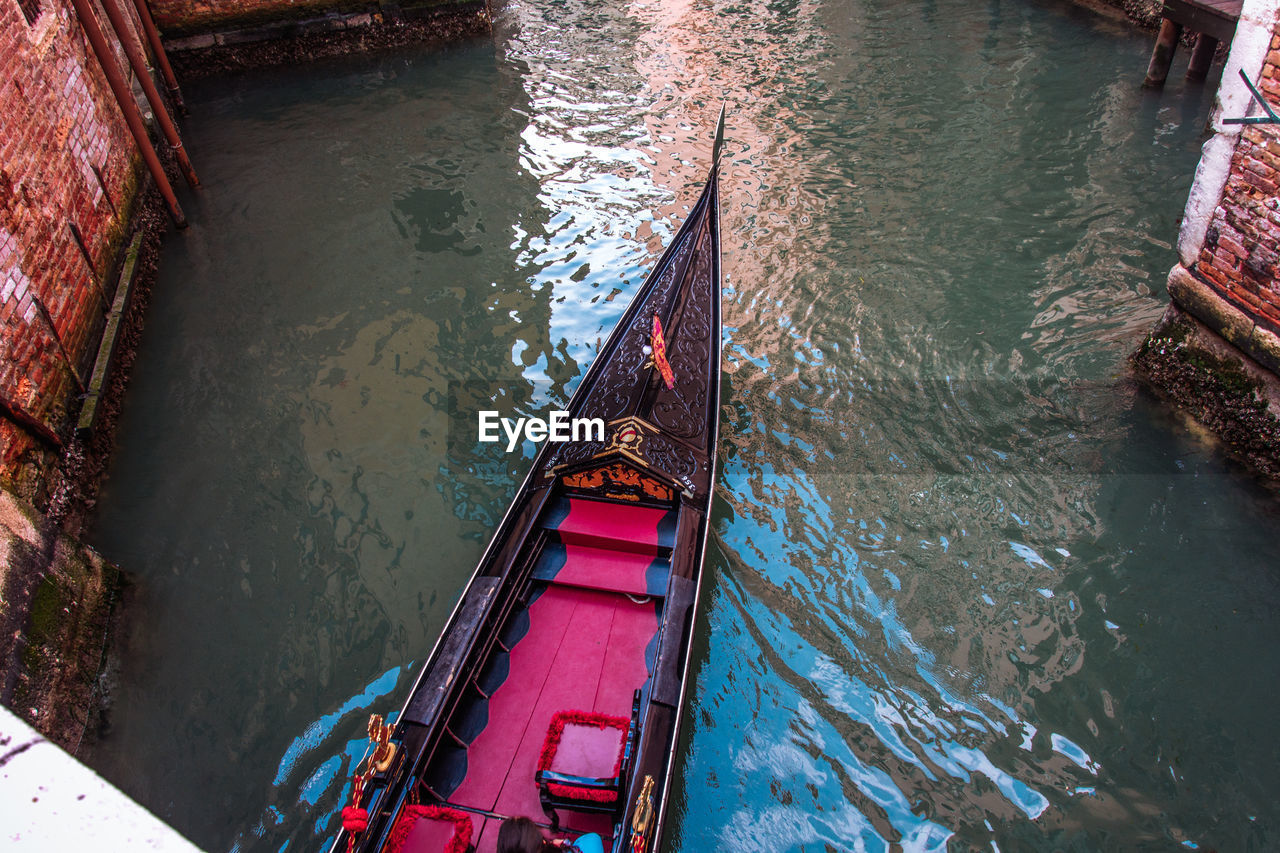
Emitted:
<point x="49" y="801"/>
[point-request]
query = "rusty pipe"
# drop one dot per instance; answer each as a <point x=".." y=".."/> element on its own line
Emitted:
<point x="133" y="50"/>
<point x="128" y="107"/>
<point x="29" y="422"/>
<point x="162" y="58"/>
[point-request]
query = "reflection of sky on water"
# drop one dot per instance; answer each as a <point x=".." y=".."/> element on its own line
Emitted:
<point x="929" y="729"/>
<point x="328" y="763"/>
<point x="589" y="155"/>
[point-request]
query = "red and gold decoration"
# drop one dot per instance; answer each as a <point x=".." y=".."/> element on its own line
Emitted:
<point x="619" y="481"/>
<point x="627" y="436"/>
<point x="659" y="360"/>
<point x="377" y="759"/>
<point x="431" y="824"/>
<point x="642" y="817"/>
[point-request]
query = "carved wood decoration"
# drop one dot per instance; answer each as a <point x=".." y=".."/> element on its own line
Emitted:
<point x="672" y="428"/>
<point x="618" y="480"/>
<point x="677" y="411"/>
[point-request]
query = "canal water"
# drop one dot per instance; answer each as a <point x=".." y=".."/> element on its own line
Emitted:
<point x="969" y="587"/>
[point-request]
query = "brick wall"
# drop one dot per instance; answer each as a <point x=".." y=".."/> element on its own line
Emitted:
<point x="1241" y="254"/>
<point x="66" y="159"/>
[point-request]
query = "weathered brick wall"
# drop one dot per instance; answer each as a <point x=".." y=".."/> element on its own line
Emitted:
<point x="1241" y="253"/>
<point x="67" y="159"/>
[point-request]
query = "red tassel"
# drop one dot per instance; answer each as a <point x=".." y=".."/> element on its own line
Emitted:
<point x="355" y="820"/>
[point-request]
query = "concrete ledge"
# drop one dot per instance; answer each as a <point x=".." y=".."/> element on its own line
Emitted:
<point x="110" y="337"/>
<point x="334" y="34"/>
<point x="1233" y="325"/>
<point x="332" y="22"/>
<point x="50" y="801"/>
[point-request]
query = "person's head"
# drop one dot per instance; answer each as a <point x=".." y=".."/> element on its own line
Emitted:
<point x="521" y="835"/>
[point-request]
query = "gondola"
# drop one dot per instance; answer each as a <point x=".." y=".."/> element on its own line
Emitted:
<point x="555" y="691"/>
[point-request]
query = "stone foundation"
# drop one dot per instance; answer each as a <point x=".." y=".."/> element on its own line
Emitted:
<point x="1216" y="352"/>
<point x="266" y="34"/>
<point x="59" y="599"/>
<point x="1219" y="385"/>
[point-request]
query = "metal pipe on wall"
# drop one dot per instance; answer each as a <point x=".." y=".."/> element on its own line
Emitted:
<point x="57" y="339"/>
<point x="129" y="107"/>
<point x="133" y="50"/>
<point x="88" y="262"/>
<point x="29" y="422"/>
<point x="153" y="39"/>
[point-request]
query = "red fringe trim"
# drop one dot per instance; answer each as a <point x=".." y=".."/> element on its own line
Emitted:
<point x="412" y="814"/>
<point x="590" y="794"/>
<point x="556" y="731"/>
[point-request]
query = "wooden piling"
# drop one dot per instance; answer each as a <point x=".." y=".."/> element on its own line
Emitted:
<point x="1214" y="20"/>
<point x="1202" y="57"/>
<point x="1162" y="54"/>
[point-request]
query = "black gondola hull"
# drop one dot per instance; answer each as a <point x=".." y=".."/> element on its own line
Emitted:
<point x="579" y="528"/>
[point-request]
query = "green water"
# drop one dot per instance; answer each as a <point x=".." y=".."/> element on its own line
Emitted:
<point x="968" y="586"/>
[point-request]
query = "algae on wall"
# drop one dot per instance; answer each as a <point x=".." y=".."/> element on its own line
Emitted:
<point x="58" y="601"/>
<point x="182" y="18"/>
<point x="1216" y="384"/>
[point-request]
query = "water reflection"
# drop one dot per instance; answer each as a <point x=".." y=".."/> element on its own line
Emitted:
<point x="966" y="588"/>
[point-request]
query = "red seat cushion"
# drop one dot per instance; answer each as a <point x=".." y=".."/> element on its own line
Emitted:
<point x="430" y="829"/>
<point x="581" y="743"/>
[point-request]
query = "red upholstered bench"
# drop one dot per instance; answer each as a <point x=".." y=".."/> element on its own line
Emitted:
<point x="583" y="762"/>
<point x="430" y="829"/>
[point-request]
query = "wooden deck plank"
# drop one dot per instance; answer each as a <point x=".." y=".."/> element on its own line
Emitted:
<point x="489" y="755"/>
<point x="1215" y="18"/>
<point x="634" y="627"/>
<point x="602" y="569"/>
<point x="585" y="650"/>
<point x="570" y="686"/>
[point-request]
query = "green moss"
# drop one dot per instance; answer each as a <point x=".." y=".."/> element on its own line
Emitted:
<point x="1223" y="376"/>
<point x="45" y="605"/>
<point x="43" y="630"/>
<point x="67" y="630"/>
<point x="1218" y="391"/>
<point x="1234" y="381"/>
<point x="127" y="205"/>
<point x="1176" y="341"/>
